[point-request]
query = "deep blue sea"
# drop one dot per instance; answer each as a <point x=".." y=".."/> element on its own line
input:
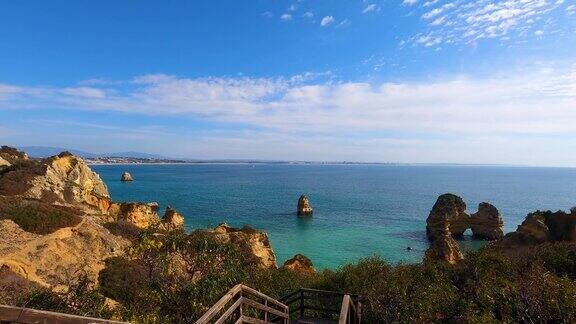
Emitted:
<point x="359" y="210"/>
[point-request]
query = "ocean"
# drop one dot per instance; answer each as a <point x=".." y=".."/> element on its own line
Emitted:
<point x="359" y="210"/>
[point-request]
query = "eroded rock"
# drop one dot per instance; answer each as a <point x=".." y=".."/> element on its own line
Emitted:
<point x="63" y="179"/>
<point x="56" y="259"/>
<point x="304" y="207"/>
<point x="444" y="248"/>
<point x="253" y="243"/>
<point x="126" y="176"/>
<point x="300" y="264"/>
<point x="544" y="226"/>
<point x="449" y="210"/>
<point x="141" y="215"/>
<point x="487" y="222"/>
<point x="172" y="219"/>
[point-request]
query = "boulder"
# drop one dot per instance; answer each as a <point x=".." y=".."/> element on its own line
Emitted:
<point x="172" y="219"/>
<point x="300" y="264"/>
<point x="253" y="243"/>
<point x="444" y="248"/>
<point x="304" y="207"/>
<point x="449" y="210"/>
<point x="487" y="223"/>
<point x="126" y="176"/>
<point x="63" y="179"/>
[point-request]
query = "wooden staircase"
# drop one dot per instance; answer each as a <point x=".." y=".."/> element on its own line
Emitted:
<point x="243" y="304"/>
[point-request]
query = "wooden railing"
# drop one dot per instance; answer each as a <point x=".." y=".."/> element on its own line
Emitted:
<point x="246" y="305"/>
<point x="18" y="315"/>
<point x="319" y="304"/>
<point x="350" y="312"/>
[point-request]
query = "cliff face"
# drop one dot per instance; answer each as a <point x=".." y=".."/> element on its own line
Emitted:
<point x="63" y="179"/>
<point x="50" y="219"/>
<point x="254" y="244"/>
<point x="541" y="227"/>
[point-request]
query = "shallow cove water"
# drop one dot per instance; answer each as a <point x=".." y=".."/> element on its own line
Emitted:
<point x="359" y="210"/>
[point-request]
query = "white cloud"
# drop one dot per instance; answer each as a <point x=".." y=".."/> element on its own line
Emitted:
<point x="430" y="3"/>
<point x="286" y="17"/>
<point x="327" y="20"/>
<point x="538" y="102"/>
<point x="571" y="10"/>
<point x="409" y="2"/>
<point x="308" y="15"/>
<point x="508" y="112"/>
<point x="267" y="14"/>
<point x="467" y="22"/>
<point x="370" y="8"/>
<point x="539" y="33"/>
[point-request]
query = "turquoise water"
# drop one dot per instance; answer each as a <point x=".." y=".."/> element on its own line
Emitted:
<point x="359" y="210"/>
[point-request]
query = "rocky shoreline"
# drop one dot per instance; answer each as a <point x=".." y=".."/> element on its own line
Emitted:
<point x="57" y="219"/>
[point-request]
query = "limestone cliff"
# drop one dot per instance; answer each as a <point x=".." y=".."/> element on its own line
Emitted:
<point x="55" y="259"/>
<point x="541" y="227"/>
<point x="63" y="179"/>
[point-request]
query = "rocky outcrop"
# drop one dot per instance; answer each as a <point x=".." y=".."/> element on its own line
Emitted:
<point x="55" y="259"/>
<point x="541" y="227"/>
<point x="11" y="155"/>
<point x="300" y="264"/>
<point x="444" y="248"/>
<point x="304" y="206"/>
<point x="487" y="222"/>
<point x="172" y="220"/>
<point x="63" y="179"/>
<point x="126" y="176"/>
<point x="449" y="210"/>
<point x="140" y="215"/>
<point x="253" y="243"/>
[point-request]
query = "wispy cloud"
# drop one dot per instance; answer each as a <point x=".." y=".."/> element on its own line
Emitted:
<point x="539" y="103"/>
<point x="462" y="21"/>
<point x="371" y="8"/>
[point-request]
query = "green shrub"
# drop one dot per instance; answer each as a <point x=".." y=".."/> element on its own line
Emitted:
<point x="36" y="217"/>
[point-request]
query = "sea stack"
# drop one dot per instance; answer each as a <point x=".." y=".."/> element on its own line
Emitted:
<point x="304" y="207"/>
<point x="449" y="210"/>
<point x="487" y="223"/>
<point x="126" y="176"/>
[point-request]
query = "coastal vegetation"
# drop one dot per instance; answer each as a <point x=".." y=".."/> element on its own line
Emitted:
<point x="533" y="284"/>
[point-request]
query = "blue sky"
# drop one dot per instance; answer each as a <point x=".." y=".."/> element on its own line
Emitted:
<point x="399" y="81"/>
